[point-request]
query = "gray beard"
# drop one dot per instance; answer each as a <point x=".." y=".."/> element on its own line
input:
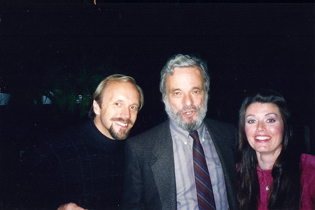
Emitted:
<point x="178" y="121"/>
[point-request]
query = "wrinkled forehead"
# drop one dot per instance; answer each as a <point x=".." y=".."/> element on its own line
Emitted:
<point x="185" y="77"/>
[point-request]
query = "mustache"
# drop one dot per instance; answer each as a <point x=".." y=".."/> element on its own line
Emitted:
<point x="123" y="120"/>
<point x="188" y="109"/>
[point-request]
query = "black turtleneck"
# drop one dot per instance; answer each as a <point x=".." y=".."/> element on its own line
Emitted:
<point x="81" y="165"/>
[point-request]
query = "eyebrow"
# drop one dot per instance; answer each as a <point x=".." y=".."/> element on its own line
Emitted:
<point x="250" y="115"/>
<point x="271" y="113"/>
<point x="123" y="101"/>
<point x="178" y="89"/>
<point x="175" y="89"/>
<point x="137" y="104"/>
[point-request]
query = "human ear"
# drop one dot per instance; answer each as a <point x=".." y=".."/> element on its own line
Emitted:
<point x="96" y="108"/>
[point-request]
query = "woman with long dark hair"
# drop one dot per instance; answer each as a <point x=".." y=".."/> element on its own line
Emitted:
<point x="271" y="174"/>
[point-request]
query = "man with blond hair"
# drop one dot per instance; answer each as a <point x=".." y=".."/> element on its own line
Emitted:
<point x="82" y="168"/>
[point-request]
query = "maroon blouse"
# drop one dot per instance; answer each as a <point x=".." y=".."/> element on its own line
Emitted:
<point x="307" y="183"/>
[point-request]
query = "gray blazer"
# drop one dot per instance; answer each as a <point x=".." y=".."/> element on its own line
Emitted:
<point x="150" y="174"/>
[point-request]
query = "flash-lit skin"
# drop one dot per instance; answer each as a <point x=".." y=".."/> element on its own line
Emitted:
<point x="184" y="90"/>
<point x="120" y="101"/>
<point x="264" y="131"/>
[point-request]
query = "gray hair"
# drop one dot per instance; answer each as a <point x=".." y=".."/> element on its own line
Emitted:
<point x="180" y="60"/>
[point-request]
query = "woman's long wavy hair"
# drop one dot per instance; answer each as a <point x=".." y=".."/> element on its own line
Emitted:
<point x="285" y="189"/>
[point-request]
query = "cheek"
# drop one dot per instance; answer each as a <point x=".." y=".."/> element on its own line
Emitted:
<point x="248" y="130"/>
<point x="277" y="131"/>
<point x="175" y="105"/>
<point x="134" y="116"/>
<point x="198" y="101"/>
<point x="105" y="121"/>
<point x="107" y="115"/>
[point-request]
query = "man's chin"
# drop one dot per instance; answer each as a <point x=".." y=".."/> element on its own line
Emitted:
<point x="188" y="121"/>
<point x="120" y="135"/>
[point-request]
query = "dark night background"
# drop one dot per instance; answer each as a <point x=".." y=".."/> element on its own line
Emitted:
<point x="70" y="47"/>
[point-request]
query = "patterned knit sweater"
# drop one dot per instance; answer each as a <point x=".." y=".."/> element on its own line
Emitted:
<point x="81" y="166"/>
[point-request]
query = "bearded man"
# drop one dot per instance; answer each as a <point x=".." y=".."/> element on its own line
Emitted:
<point x="160" y="163"/>
<point x="83" y="167"/>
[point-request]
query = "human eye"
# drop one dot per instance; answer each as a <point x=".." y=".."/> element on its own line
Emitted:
<point x="196" y="91"/>
<point x="271" y="120"/>
<point x="177" y="93"/>
<point x="250" y="121"/>
<point x="134" y="107"/>
<point x="117" y="104"/>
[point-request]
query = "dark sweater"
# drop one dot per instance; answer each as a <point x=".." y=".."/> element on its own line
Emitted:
<point x="81" y="166"/>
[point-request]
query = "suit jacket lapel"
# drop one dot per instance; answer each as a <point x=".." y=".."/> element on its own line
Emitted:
<point x="162" y="165"/>
<point x="226" y="159"/>
<point x="218" y="139"/>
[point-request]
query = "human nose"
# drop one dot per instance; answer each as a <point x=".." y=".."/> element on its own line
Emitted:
<point x="261" y="126"/>
<point x="188" y="101"/>
<point x="125" y="112"/>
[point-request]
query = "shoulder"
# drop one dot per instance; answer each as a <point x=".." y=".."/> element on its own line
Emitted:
<point x="155" y="132"/>
<point x="62" y="141"/>
<point x="151" y="137"/>
<point x="222" y="128"/>
<point x="308" y="179"/>
<point x="223" y="134"/>
<point x="308" y="162"/>
<point x="65" y="138"/>
<point x="219" y="124"/>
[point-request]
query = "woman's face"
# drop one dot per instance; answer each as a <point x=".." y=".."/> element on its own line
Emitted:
<point x="264" y="128"/>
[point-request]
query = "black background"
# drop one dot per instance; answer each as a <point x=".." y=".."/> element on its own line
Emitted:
<point x="246" y="46"/>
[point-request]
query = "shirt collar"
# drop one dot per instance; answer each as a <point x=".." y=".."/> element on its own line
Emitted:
<point x="184" y="135"/>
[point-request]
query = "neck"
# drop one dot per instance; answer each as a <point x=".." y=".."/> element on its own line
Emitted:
<point x="101" y="128"/>
<point x="266" y="161"/>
